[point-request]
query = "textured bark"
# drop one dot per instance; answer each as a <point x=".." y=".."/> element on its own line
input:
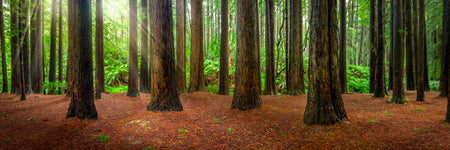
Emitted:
<point x="247" y="90"/>
<point x="343" y="46"/>
<point x="99" y="60"/>
<point x="60" y="44"/>
<point x="287" y="45"/>
<point x="425" y="60"/>
<point x="446" y="36"/>
<point x="409" y="49"/>
<point x="35" y="46"/>
<point x="181" y="46"/>
<point x="197" y="78"/>
<point x="133" y="83"/>
<point x="325" y="105"/>
<point x="296" y="83"/>
<point x="420" y="59"/>
<point x="52" y="69"/>
<point x="372" y="46"/>
<point x="82" y="104"/>
<point x="144" y="83"/>
<point x="15" y="55"/>
<point x="224" y="83"/>
<point x="380" y="82"/>
<point x="2" y="38"/>
<point x="164" y="92"/>
<point x="443" y="86"/>
<point x="415" y="32"/>
<point x="42" y="45"/>
<point x="73" y="54"/>
<point x="391" y="50"/>
<point x="23" y="14"/>
<point x="398" y="51"/>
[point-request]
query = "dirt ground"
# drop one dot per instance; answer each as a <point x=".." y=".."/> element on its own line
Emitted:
<point x="207" y="122"/>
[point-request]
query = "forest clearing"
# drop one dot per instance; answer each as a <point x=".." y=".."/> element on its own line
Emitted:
<point x="207" y="122"/>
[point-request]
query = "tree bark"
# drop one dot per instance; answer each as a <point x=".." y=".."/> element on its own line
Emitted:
<point x="446" y="37"/>
<point x="23" y="32"/>
<point x="398" y="50"/>
<point x="60" y="45"/>
<point x="247" y="90"/>
<point x="2" y="36"/>
<point x="197" y="78"/>
<point x="164" y="92"/>
<point x="420" y="59"/>
<point x="35" y="46"/>
<point x="409" y="49"/>
<point x="373" y="46"/>
<point x="53" y="28"/>
<point x="415" y="32"/>
<point x="287" y="46"/>
<point x="391" y="52"/>
<point x="324" y="104"/>
<point x="82" y="104"/>
<point x="181" y="46"/>
<point x="380" y="82"/>
<point x="296" y="83"/>
<point x="99" y="60"/>
<point x="15" y="54"/>
<point x="133" y="82"/>
<point x="443" y="86"/>
<point x="73" y="54"/>
<point x="224" y="83"/>
<point x="144" y="83"/>
<point x="343" y="46"/>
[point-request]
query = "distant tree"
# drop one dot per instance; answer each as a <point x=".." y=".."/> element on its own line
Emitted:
<point x="270" y="49"/>
<point x="380" y="78"/>
<point x="99" y="60"/>
<point x="247" y="90"/>
<point x="144" y="79"/>
<point x="52" y="70"/>
<point x="164" y="92"/>
<point x="296" y="83"/>
<point x="35" y="46"/>
<point x="324" y="104"/>
<point x="15" y="54"/>
<point x="409" y="48"/>
<point x="398" y="50"/>
<point x="2" y="36"/>
<point x="82" y="104"/>
<point x="373" y="45"/>
<point x="181" y="46"/>
<point x="420" y="59"/>
<point x="197" y="78"/>
<point x="60" y="44"/>
<point x="343" y="46"/>
<point x="224" y="83"/>
<point x="415" y="32"/>
<point x="133" y="90"/>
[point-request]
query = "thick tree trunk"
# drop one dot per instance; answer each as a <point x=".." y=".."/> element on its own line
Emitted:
<point x="409" y="49"/>
<point x="446" y="37"/>
<point x="181" y="46"/>
<point x="52" y="72"/>
<point x="224" y="83"/>
<point x="420" y="59"/>
<point x="23" y="14"/>
<point x="247" y="90"/>
<point x="343" y="46"/>
<point x="99" y="61"/>
<point x="197" y="78"/>
<point x="415" y="32"/>
<point x="443" y="86"/>
<point x="425" y="60"/>
<point x="144" y="83"/>
<point x="73" y="54"/>
<point x="391" y="51"/>
<point x="35" y="46"/>
<point x="2" y="38"/>
<point x="82" y="104"/>
<point x="325" y="105"/>
<point x="15" y="54"/>
<point x="372" y="46"/>
<point x="164" y="92"/>
<point x="296" y="85"/>
<point x="133" y="83"/>
<point x="398" y="59"/>
<point x="60" y="45"/>
<point x="380" y="82"/>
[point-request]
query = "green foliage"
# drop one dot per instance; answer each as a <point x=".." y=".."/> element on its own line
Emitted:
<point x="113" y="90"/>
<point x="387" y="113"/>
<point x="213" y="88"/>
<point x="358" y="79"/>
<point x="230" y="129"/>
<point x="6" y="139"/>
<point x="103" y="138"/>
<point x="420" y="129"/>
<point x="372" y="121"/>
<point x="418" y="109"/>
<point x="54" y="86"/>
<point x="183" y="131"/>
<point x="147" y="148"/>
<point x="434" y="85"/>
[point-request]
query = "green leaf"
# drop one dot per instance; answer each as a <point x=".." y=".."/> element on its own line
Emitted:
<point x="230" y="129"/>
<point x="7" y="139"/>
<point x="183" y="131"/>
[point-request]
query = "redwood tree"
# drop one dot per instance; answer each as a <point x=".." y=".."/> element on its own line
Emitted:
<point x="35" y="46"/>
<point x="398" y="93"/>
<point x="164" y="92"/>
<point x="420" y="50"/>
<point x="380" y="78"/>
<point x="373" y="45"/>
<point x="24" y="46"/>
<point x="52" y="70"/>
<point x="247" y="87"/>
<point x="324" y="104"/>
<point x="99" y="61"/>
<point x="197" y="78"/>
<point x="144" y="80"/>
<point x="224" y="83"/>
<point x="343" y="46"/>
<point x="82" y="104"/>
<point x="270" y="49"/>
<point x="296" y="83"/>
<point x="181" y="46"/>
<point x="15" y="55"/>
<point x="60" y="44"/>
<point x="446" y="37"/>
<point x="133" y="90"/>
<point x="443" y="86"/>
<point x="2" y="38"/>
<point x="409" y="49"/>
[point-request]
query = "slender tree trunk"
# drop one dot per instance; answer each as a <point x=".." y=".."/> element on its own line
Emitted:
<point x="181" y="46"/>
<point x="287" y="46"/>
<point x="343" y="46"/>
<point x="197" y="78"/>
<point x="415" y="15"/>
<point x="373" y="46"/>
<point x="35" y="46"/>
<point x="425" y="60"/>
<point x="247" y="90"/>
<point x="391" y="52"/>
<point x="164" y="92"/>
<point x="52" y="72"/>
<point x="15" y="54"/>
<point x="60" y="44"/>
<point x="409" y="49"/>
<point x="443" y="86"/>
<point x="380" y="82"/>
<point x="43" y="44"/>
<point x="133" y="84"/>
<point x="82" y="104"/>
<point x="99" y="61"/>
<point x="2" y="36"/>
<point x="398" y="92"/>
<point x="23" y="12"/>
<point x="325" y="105"/>
<point x="420" y="59"/>
<point x="296" y="85"/>
<point x="224" y="83"/>
<point x="144" y="83"/>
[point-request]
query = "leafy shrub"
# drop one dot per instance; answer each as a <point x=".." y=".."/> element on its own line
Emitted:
<point x="54" y="86"/>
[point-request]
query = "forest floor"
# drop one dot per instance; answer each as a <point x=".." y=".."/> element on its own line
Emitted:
<point x="207" y="122"/>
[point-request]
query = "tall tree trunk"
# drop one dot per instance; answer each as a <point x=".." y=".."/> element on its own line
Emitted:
<point x="99" y="61"/>
<point x="415" y="15"/>
<point x="2" y="38"/>
<point x="296" y="85"/>
<point x="35" y="46"/>
<point x="73" y="54"/>
<point x="324" y="104"/>
<point x="247" y="90"/>
<point x="380" y="78"/>
<point x="391" y="52"/>
<point x="23" y="14"/>
<point x="15" y="54"/>
<point x="446" y="42"/>
<point x="398" y="93"/>
<point x="224" y="83"/>
<point x="164" y="92"/>
<point x="52" y="72"/>
<point x="60" y="44"/>
<point x="181" y="46"/>
<point x="42" y="44"/>
<point x="443" y="86"/>
<point x="197" y="78"/>
<point x="420" y="59"/>
<point x="82" y="104"/>
<point x="373" y="46"/>
<point x="133" y="84"/>
<point x="409" y="49"/>
<point x="343" y="46"/>
<point x="425" y="60"/>
<point x="287" y="45"/>
<point x="144" y="83"/>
